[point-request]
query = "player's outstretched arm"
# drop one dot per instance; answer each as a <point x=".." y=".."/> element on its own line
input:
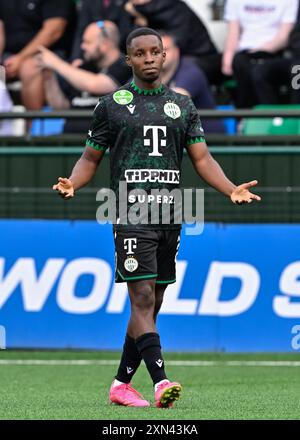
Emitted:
<point x="241" y="194"/>
<point x="83" y="171"/>
<point x="210" y="171"/>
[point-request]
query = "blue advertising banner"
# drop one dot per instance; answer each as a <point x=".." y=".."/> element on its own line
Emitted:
<point x="237" y="289"/>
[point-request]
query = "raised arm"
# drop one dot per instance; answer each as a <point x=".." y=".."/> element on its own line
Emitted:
<point x="94" y="83"/>
<point x="51" y="31"/>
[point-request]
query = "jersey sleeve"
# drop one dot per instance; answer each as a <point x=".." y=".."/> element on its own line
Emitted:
<point x="195" y="132"/>
<point x="98" y="135"/>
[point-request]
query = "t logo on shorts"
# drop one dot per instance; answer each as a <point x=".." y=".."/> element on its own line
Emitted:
<point x="129" y="245"/>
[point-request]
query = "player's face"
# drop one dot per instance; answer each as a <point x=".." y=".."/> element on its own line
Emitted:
<point x="146" y="57"/>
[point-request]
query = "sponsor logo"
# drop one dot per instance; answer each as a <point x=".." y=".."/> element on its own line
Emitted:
<point x="150" y="198"/>
<point x="123" y="97"/>
<point x="159" y="362"/>
<point x="154" y="141"/>
<point x="187" y="205"/>
<point x="60" y="277"/>
<point x="254" y="9"/>
<point x="131" y="108"/>
<point x="129" y="370"/>
<point x="131" y="264"/>
<point x="130" y="244"/>
<point x="172" y="110"/>
<point x="146" y="175"/>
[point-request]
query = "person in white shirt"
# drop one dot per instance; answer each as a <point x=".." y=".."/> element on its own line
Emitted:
<point x="257" y="31"/>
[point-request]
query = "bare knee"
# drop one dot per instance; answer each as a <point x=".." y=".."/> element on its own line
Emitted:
<point x="143" y="298"/>
<point x="28" y="69"/>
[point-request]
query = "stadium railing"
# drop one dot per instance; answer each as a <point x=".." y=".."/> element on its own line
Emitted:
<point x="212" y="139"/>
<point x="29" y="165"/>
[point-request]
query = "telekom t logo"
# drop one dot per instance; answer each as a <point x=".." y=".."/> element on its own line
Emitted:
<point x="130" y="245"/>
<point x="155" y="129"/>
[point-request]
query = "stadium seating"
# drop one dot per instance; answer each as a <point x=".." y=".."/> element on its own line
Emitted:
<point x="272" y="126"/>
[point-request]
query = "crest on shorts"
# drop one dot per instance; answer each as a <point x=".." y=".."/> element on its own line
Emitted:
<point x="123" y="97"/>
<point x="131" y="264"/>
<point x="173" y="110"/>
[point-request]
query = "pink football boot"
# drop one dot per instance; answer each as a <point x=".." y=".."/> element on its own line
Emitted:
<point x="166" y="393"/>
<point x="127" y="396"/>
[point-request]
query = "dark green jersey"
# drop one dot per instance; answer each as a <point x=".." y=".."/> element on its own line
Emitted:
<point x="146" y="132"/>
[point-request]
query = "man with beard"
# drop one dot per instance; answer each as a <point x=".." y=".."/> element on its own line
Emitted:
<point x="103" y="71"/>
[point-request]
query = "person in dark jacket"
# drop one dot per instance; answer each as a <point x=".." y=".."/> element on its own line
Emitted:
<point x="172" y="16"/>
<point x="176" y="17"/>
<point x="92" y="11"/>
<point x="24" y="26"/>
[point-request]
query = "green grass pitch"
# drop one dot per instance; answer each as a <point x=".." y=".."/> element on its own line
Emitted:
<point x="218" y="390"/>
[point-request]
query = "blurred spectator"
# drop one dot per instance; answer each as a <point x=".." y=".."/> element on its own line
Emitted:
<point x="184" y="76"/>
<point x="173" y="16"/>
<point x="278" y="72"/>
<point x="104" y="70"/>
<point x="25" y="25"/>
<point x="177" y="18"/>
<point x="258" y="31"/>
<point x="95" y="10"/>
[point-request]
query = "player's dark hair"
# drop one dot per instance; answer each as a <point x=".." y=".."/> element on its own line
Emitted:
<point x="139" y="33"/>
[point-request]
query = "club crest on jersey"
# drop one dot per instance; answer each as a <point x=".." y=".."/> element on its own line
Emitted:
<point x="123" y="97"/>
<point x="171" y="109"/>
<point x="131" y="264"/>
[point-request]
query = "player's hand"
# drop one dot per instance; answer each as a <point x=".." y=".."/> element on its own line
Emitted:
<point x="242" y="194"/>
<point x="65" y="188"/>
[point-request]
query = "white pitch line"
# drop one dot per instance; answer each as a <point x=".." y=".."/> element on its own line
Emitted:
<point x="106" y="362"/>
